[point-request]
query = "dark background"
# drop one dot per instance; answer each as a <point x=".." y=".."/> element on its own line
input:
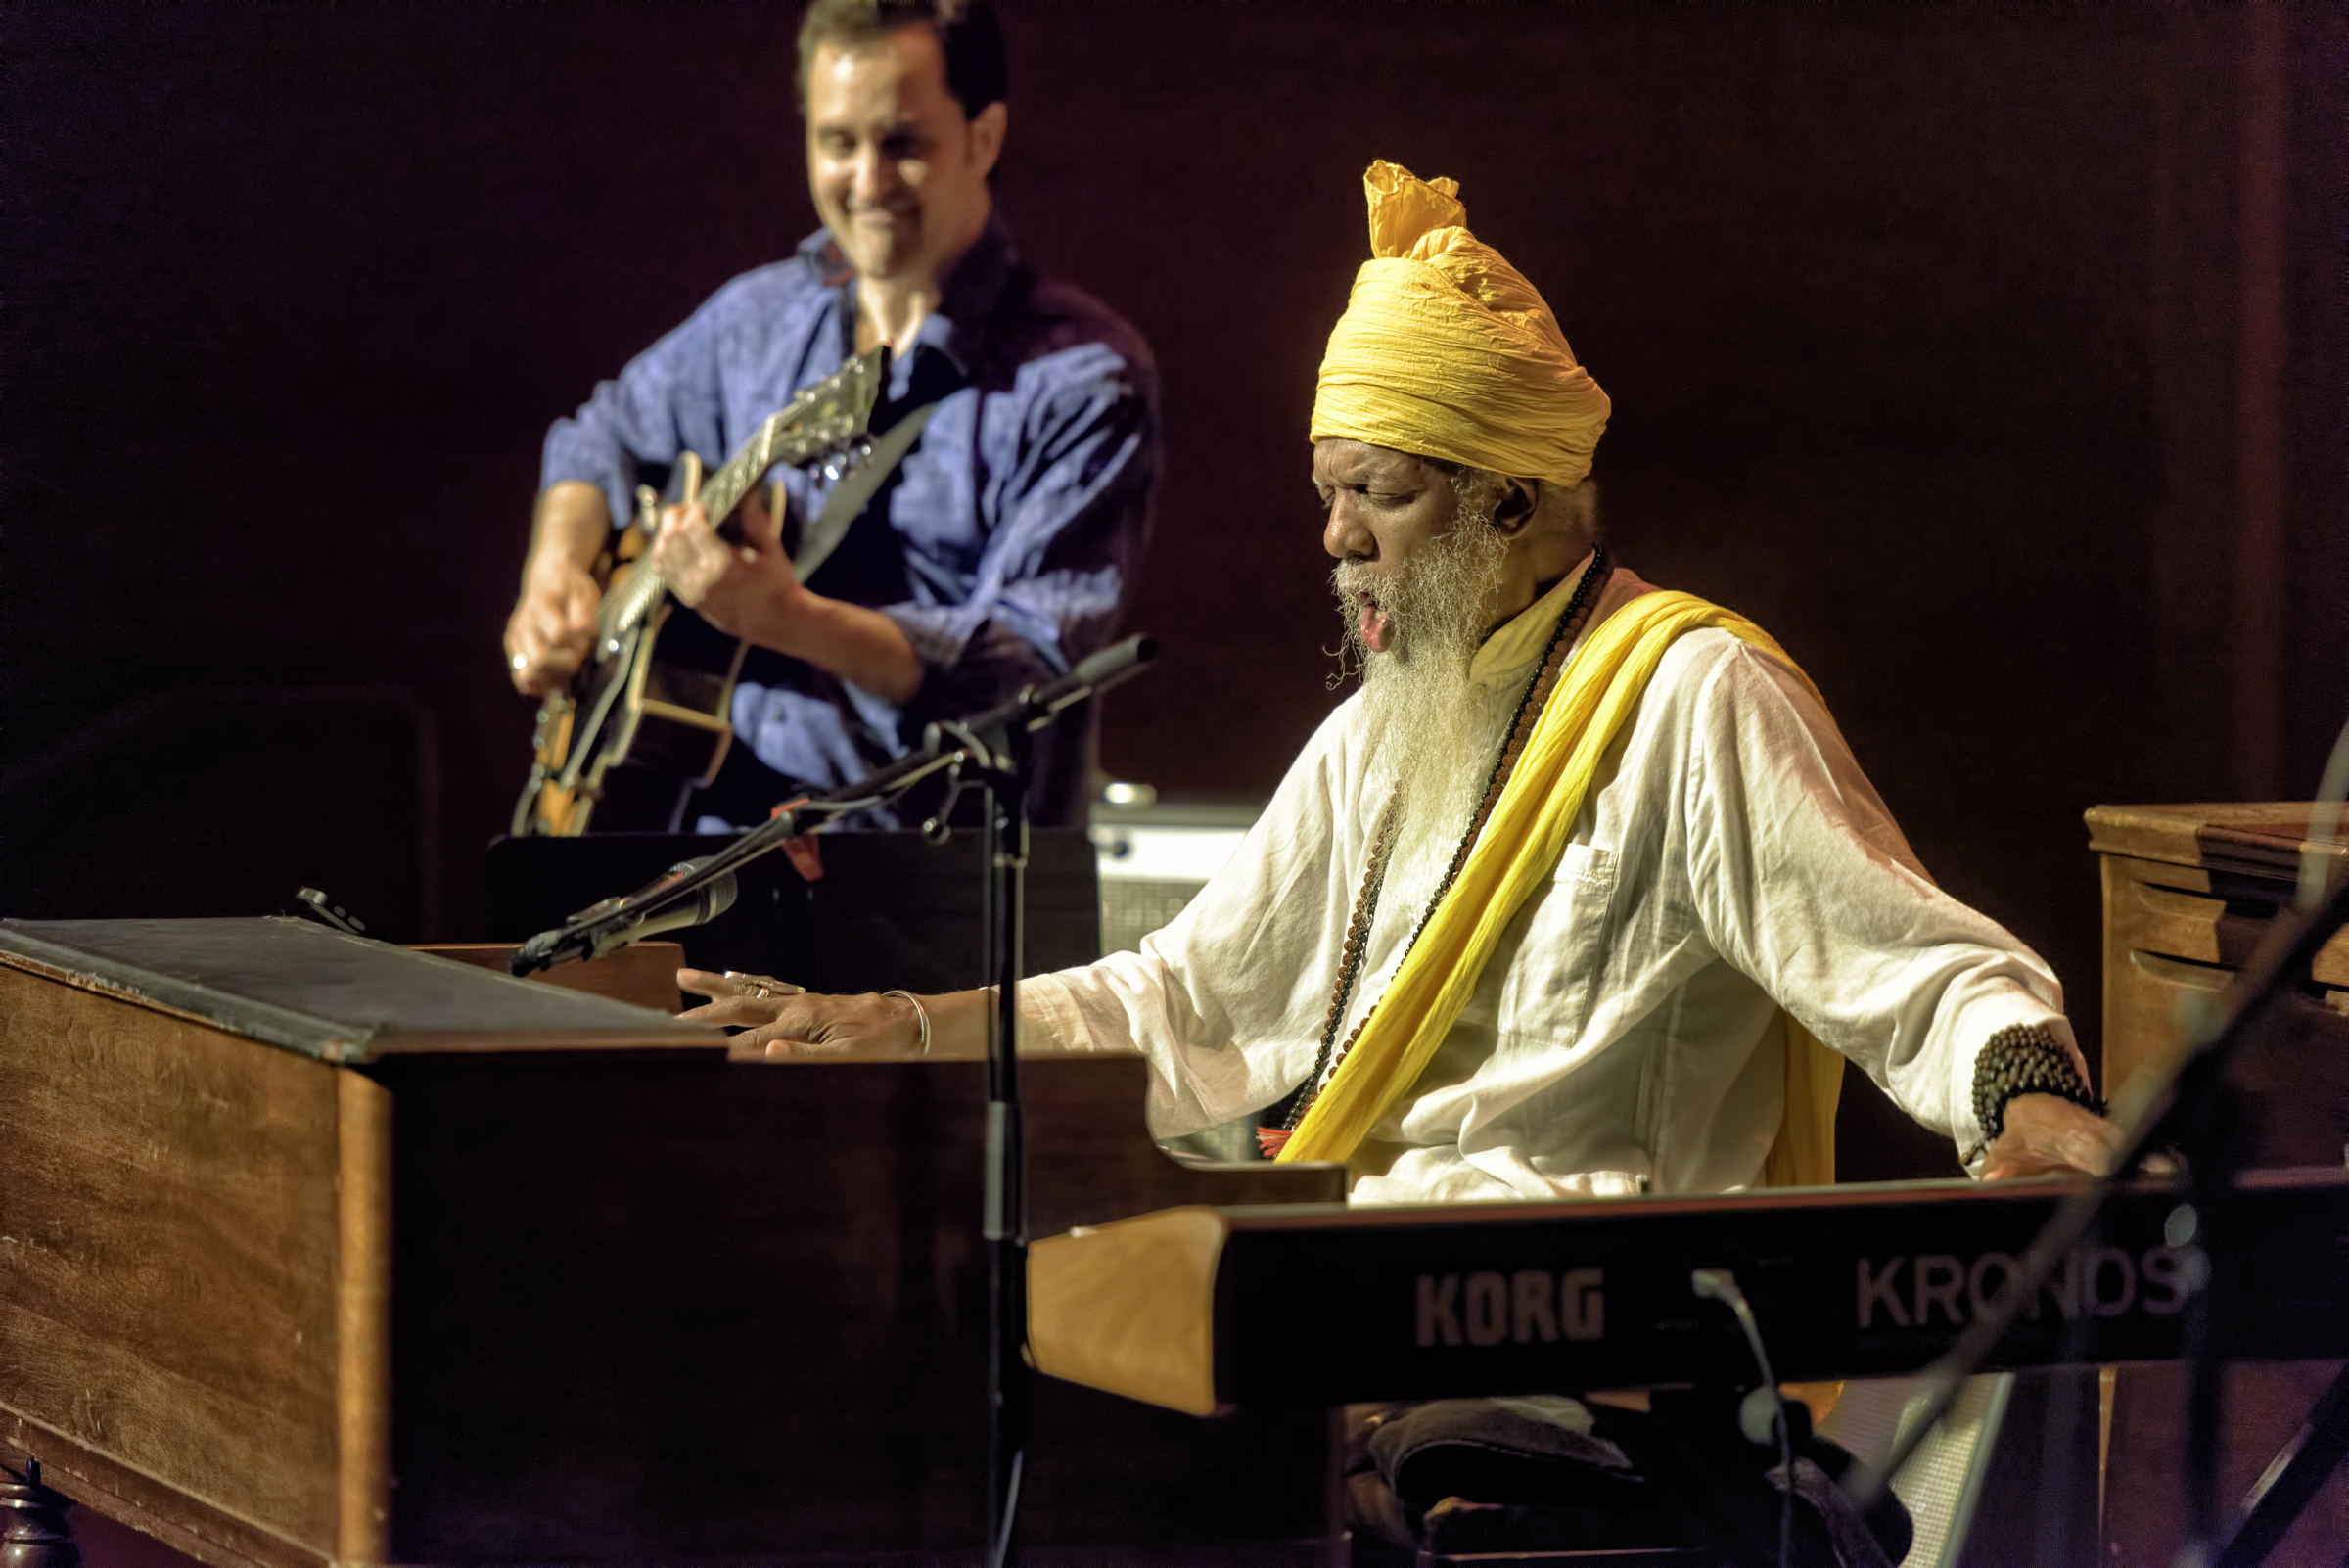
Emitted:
<point x="1990" y="355"/>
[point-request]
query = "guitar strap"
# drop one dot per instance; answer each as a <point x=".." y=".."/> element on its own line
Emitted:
<point x="855" y="490"/>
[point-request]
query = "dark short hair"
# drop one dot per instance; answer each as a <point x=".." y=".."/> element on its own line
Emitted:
<point x="968" y="34"/>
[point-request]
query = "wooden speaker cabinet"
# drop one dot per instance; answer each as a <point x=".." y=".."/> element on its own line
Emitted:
<point x="2188" y="891"/>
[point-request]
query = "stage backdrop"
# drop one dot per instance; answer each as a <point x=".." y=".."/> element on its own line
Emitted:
<point x="1990" y="355"/>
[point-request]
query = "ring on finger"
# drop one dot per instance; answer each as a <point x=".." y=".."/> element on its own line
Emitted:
<point x="762" y="986"/>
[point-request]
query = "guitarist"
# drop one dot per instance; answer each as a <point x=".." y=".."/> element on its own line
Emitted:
<point x="1003" y="546"/>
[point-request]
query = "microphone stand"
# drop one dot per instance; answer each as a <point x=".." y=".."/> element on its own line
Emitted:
<point x="616" y="922"/>
<point x="2193" y="1107"/>
<point x="994" y="750"/>
<point x="998" y="761"/>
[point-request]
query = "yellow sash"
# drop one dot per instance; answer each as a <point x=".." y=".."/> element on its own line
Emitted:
<point x="1519" y="849"/>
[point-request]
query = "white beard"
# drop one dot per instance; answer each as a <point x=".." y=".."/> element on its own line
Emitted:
<point x="1431" y="731"/>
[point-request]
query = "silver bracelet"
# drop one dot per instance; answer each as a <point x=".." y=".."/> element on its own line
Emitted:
<point x="919" y="1011"/>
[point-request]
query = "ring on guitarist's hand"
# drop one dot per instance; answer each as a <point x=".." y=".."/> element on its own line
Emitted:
<point x="520" y="662"/>
<point x="747" y="985"/>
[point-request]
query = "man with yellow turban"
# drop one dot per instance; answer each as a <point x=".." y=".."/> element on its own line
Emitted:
<point x="1582" y="894"/>
<point x="1564" y="900"/>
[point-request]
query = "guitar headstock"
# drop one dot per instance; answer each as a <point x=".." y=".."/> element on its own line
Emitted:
<point x="824" y="424"/>
<point x="830" y="416"/>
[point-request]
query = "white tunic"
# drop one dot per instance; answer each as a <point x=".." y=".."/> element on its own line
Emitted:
<point x="1625" y="1036"/>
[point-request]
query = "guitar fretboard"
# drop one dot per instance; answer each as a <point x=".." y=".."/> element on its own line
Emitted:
<point x="824" y="418"/>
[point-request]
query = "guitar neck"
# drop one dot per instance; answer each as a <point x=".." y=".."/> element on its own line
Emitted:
<point x="824" y="418"/>
<point x="631" y="601"/>
<point x="723" y="491"/>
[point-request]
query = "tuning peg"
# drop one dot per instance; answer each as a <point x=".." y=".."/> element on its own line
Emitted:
<point x="841" y="464"/>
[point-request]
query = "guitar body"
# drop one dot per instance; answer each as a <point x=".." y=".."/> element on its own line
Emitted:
<point x="654" y="696"/>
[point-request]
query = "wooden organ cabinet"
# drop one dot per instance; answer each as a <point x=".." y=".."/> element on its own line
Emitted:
<point x="319" y="1253"/>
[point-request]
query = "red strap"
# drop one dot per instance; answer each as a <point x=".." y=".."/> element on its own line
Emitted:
<point x="805" y="855"/>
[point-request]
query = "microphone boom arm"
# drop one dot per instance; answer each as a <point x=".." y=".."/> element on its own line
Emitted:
<point x="614" y="923"/>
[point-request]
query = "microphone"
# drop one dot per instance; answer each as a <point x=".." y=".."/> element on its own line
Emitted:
<point x="581" y="936"/>
<point x="1038" y="706"/>
<point x="710" y="901"/>
<point x="1098" y="673"/>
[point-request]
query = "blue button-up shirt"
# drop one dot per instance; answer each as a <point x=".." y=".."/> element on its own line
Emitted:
<point x="1005" y="546"/>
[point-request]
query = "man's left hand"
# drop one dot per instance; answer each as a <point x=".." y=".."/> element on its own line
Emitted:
<point x="746" y="590"/>
<point x="2046" y="1134"/>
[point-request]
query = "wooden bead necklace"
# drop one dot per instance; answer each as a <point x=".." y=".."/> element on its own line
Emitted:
<point x="1282" y="1120"/>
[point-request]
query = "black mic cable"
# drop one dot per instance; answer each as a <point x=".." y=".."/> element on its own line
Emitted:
<point x="1719" y="1284"/>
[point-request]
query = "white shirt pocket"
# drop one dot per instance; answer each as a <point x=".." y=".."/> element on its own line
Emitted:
<point x="1557" y="950"/>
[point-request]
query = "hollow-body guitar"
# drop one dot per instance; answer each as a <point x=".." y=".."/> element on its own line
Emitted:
<point x="657" y="686"/>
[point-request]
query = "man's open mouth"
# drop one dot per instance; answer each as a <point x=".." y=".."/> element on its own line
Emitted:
<point x="1375" y="625"/>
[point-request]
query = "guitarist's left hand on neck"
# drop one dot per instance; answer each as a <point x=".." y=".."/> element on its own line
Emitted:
<point x="749" y="590"/>
<point x="743" y="589"/>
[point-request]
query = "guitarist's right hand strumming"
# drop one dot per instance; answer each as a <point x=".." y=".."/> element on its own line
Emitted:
<point x="553" y="623"/>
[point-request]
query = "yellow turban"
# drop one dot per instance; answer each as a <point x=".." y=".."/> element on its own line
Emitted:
<point x="1445" y="350"/>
